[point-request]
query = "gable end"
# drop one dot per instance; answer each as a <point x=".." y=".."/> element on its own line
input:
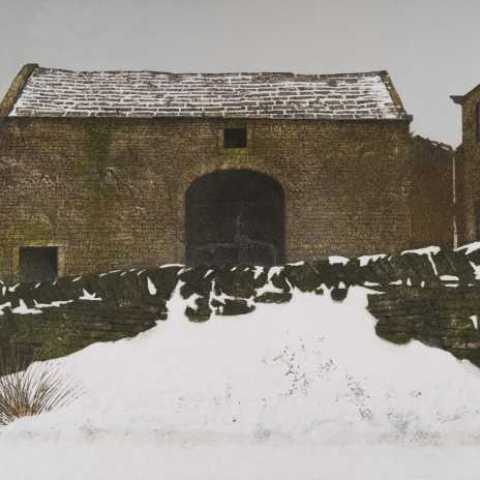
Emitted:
<point x="16" y="88"/>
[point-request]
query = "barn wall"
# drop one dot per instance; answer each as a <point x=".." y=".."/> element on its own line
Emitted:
<point x="111" y="193"/>
<point x="431" y="198"/>
<point x="461" y="183"/>
<point x="468" y="172"/>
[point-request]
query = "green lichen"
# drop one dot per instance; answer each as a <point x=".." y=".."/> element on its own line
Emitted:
<point x="93" y="169"/>
<point x="97" y="149"/>
<point x="398" y="338"/>
<point x="53" y="334"/>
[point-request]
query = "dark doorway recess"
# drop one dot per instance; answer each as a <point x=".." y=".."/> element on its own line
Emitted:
<point x="38" y="264"/>
<point x="235" y="217"/>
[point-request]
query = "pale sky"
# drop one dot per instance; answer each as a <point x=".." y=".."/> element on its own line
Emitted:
<point x="430" y="47"/>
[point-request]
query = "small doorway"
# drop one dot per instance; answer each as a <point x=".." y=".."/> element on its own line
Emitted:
<point x="38" y="264"/>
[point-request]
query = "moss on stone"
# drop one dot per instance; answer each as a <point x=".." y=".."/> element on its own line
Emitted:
<point x="236" y="306"/>
<point x="274" y="297"/>
<point x="97" y="148"/>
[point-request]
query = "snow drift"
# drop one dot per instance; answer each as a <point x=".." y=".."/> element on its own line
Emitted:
<point x="311" y="370"/>
<point x="305" y="389"/>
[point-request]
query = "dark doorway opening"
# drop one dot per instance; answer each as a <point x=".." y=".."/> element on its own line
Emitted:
<point x="38" y="264"/>
<point x="235" y="217"/>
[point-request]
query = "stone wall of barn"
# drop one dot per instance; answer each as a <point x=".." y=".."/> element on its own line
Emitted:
<point x="468" y="172"/>
<point x="431" y="194"/>
<point x="111" y="193"/>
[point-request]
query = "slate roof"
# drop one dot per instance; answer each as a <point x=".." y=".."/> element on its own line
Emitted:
<point x="62" y="93"/>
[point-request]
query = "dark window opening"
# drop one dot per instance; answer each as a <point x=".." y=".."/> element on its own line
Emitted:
<point x="235" y="217"/>
<point x="38" y="264"/>
<point x="235" y="137"/>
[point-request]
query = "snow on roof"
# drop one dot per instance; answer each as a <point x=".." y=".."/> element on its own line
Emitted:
<point x="50" y="92"/>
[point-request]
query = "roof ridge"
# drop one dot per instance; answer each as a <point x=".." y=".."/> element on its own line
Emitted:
<point x="239" y="73"/>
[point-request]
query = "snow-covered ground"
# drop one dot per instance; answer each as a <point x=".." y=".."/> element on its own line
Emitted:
<point x="300" y="390"/>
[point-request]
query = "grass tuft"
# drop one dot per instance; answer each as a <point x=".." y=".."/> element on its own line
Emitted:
<point x="31" y="390"/>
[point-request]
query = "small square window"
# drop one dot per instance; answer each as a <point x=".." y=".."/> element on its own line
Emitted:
<point x="235" y="137"/>
<point x="38" y="264"/>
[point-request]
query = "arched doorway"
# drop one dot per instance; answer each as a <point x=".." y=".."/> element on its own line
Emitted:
<point x="235" y="217"/>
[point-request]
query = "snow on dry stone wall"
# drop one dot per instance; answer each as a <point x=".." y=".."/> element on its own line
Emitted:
<point x="429" y="294"/>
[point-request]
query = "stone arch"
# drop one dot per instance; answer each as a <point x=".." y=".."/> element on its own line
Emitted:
<point x="235" y="216"/>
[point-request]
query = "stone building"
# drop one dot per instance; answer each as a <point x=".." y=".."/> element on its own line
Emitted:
<point x="467" y="171"/>
<point x="104" y="170"/>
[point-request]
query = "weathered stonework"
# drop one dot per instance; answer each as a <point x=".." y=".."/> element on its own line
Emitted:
<point x="431" y="193"/>
<point x="432" y="296"/>
<point x="108" y="187"/>
<point x="111" y="193"/>
<point x="467" y="162"/>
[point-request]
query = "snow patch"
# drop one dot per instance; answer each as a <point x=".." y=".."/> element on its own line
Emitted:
<point x="168" y="265"/>
<point x="258" y="271"/>
<point x="469" y="248"/>
<point x="337" y="259"/>
<point x="476" y="270"/>
<point x="449" y="278"/>
<point x="429" y="252"/>
<point x="274" y="271"/>
<point x="56" y="303"/>
<point x="89" y="296"/>
<point x="152" y="289"/>
<point x="366" y="259"/>
<point x="23" y="309"/>
<point x="296" y="264"/>
<point x="208" y="272"/>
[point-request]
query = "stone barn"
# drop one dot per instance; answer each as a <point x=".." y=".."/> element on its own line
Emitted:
<point x="105" y="170"/>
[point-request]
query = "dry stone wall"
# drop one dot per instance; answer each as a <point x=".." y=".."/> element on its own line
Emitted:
<point x="431" y="295"/>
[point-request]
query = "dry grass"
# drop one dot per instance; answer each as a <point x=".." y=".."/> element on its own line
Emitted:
<point x="31" y="391"/>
